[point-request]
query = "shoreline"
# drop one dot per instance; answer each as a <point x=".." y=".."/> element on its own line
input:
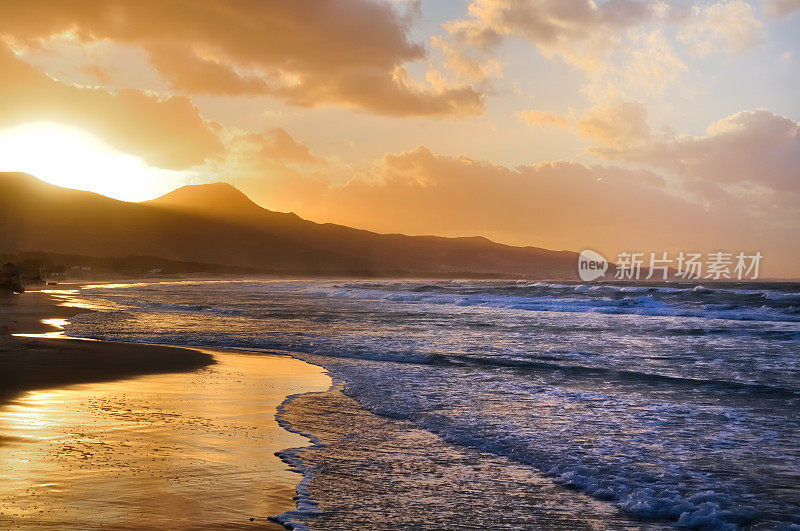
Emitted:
<point x="32" y="360"/>
<point x="217" y="406"/>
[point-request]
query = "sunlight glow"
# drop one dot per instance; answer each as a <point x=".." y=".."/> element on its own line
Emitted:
<point x="57" y="334"/>
<point x="70" y="157"/>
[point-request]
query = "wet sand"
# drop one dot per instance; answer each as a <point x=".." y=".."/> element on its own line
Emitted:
<point x="90" y="437"/>
<point x="42" y="359"/>
<point x="23" y="313"/>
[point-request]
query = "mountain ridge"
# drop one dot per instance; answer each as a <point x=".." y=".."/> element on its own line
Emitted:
<point x="217" y="223"/>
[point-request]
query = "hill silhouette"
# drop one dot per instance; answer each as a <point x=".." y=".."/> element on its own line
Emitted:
<point x="218" y="224"/>
<point x="215" y="199"/>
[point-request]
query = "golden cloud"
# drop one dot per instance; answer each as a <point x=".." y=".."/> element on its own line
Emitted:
<point x="618" y="125"/>
<point x="583" y="33"/>
<point x="340" y="52"/>
<point x="169" y="133"/>
<point x="748" y="147"/>
<point x="553" y="204"/>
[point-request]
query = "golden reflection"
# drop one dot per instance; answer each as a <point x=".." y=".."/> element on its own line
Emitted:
<point x="174" y="450"/>
<point x="58" y="323"/>
<point x="56" y="334"/>
<point x="33" y="415"/>
<point x="85" y="305"/>
<point x="114" y="285"/>
<point x="60" y="291"/>
<point x="69" y="298"/>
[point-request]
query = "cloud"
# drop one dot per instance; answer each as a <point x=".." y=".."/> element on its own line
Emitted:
<point x="468" y="64"/>
<point x="781" y="8"/>
<point x="279" y="145"/>
<point x="316" y="52"/>
<point x="727" y="25"/>
<point x="274" y="147"/>
<point x="652" y="63"/>
<point x="169" y="132"/>
<point x="748" y="148"/>
<point x="750" y="155"/>
<point x="618" y="125"/>
<point x="166" y="132"/>
<point x="585" y="33"/>
<point x="100" y="64"/>
<point x="396" y="95"/>
<point x="552" y="204"/>
<point x="627" y="49"/>
<point x="582" y="33"/>
<point x="557" y="204"/>
<point x="545" y="118"/>
<point x="274" y="168"/>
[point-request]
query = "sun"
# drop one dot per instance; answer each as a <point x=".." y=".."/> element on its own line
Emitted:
<point x="73" y="158"/>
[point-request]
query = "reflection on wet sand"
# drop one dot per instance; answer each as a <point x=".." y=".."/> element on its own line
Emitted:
<point x="167" y="451"/>
<point x="59" y="325"/>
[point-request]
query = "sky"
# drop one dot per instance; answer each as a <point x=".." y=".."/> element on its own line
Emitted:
<point x="618" y="125"/>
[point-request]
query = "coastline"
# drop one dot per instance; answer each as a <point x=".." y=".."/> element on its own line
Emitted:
<point x="102" y="433"/>
<point x="30" y="363"/>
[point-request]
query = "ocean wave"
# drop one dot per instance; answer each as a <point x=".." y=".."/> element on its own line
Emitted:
<point x="638" y="301"/>
<point x="188" y="308"/>
<point x="305" y="505"/>
<point x="684" y="421"/>
<point x="610" y="374"/>
<point x="669" y="491"/>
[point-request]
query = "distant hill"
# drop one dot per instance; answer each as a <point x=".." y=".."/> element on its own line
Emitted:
<point x="218" y="224"/>
<point x="70" y="267"/>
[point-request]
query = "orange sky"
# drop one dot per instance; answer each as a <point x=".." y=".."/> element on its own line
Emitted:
<point x="613" y="125"/>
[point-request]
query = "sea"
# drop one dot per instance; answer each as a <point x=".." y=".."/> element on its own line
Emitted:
<point x="470" y="404"/>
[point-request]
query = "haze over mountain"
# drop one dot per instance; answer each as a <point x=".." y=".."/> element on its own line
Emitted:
<point x="217" y="224"/>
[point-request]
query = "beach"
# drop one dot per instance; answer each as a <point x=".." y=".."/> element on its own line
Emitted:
<point x="105" y="434"/>
<point x="422" y="403"/>
<point x="511" y="403"/>
<point x="33" y="356"/>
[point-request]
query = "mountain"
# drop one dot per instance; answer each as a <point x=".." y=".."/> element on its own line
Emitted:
<point x="218" y="224"/>
<point x="214" y="200"/>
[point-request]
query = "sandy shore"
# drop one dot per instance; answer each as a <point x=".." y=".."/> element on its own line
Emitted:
<point x="28" y="363"/>
<point x="121" y="435"/>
